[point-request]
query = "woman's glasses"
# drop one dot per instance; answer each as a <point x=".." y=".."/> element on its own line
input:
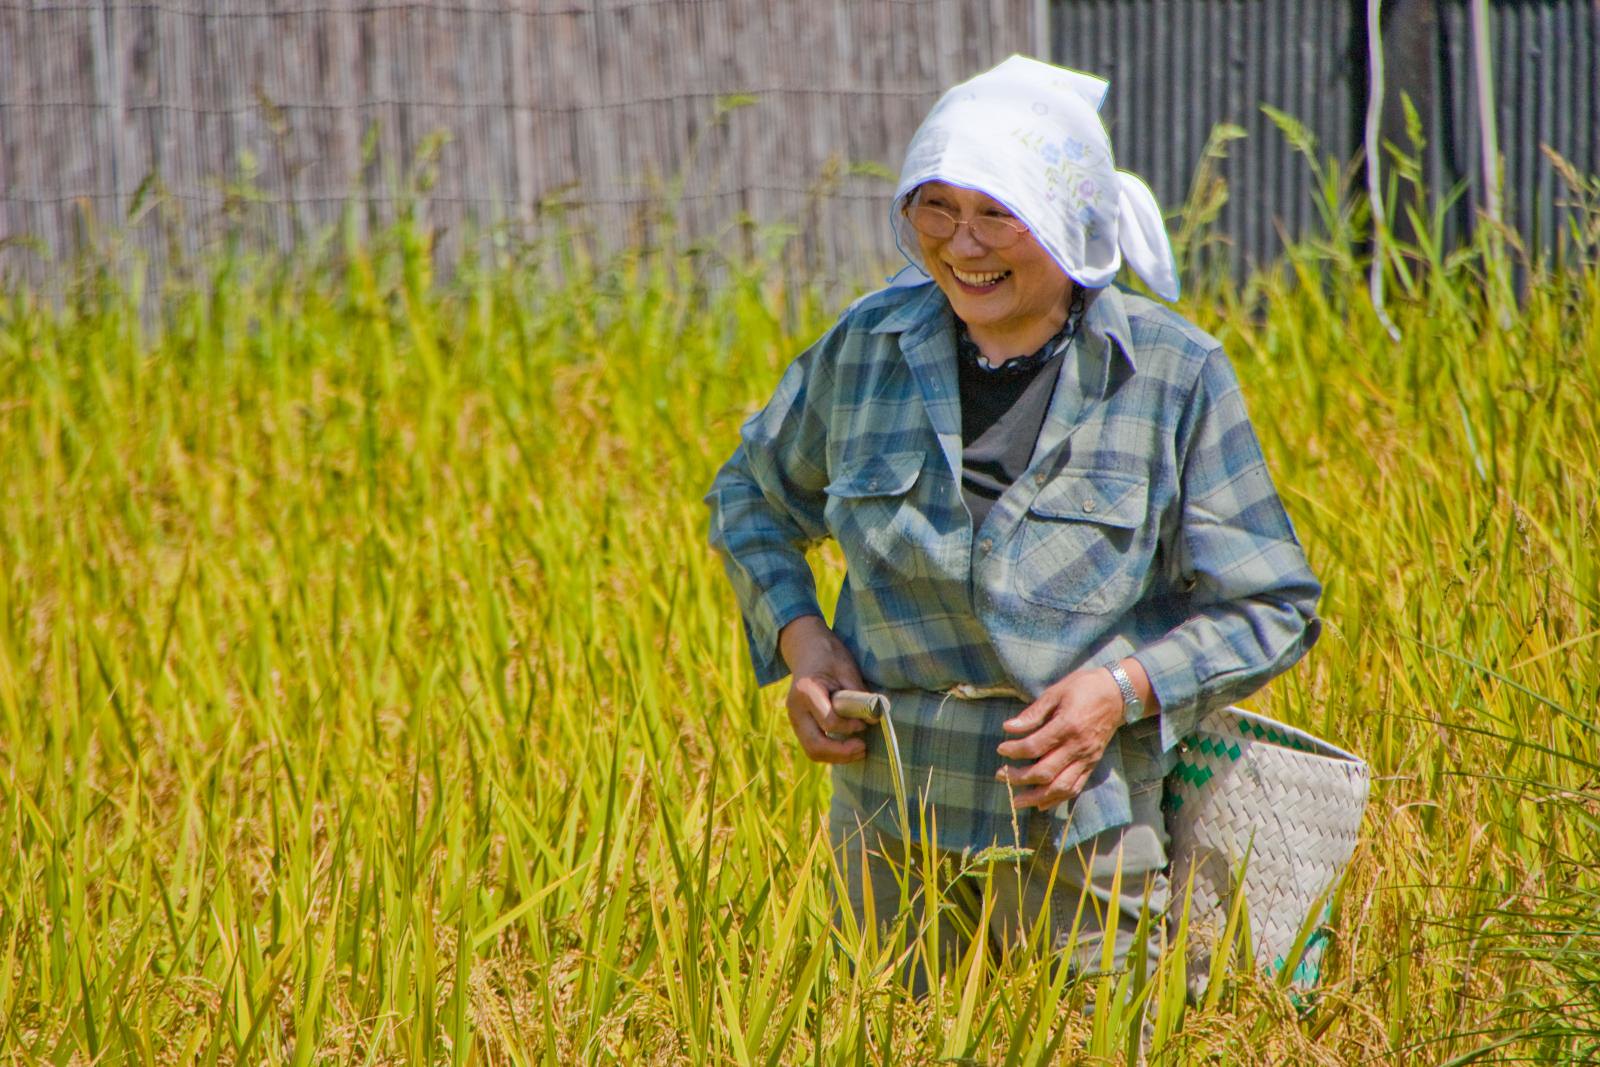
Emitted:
<point x="991" y="231"/>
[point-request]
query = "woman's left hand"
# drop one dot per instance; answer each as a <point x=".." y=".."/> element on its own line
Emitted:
<point x="1065" y="732"/>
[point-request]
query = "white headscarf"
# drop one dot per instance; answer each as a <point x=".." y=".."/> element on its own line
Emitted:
<point x="1029" y="135"/>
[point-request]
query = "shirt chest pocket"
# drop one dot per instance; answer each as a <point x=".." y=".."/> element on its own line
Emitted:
<point x="880" y="511"/>
<point x="1083" y="545"/>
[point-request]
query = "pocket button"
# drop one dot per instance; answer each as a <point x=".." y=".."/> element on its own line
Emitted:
<point x="1088" y="506"/>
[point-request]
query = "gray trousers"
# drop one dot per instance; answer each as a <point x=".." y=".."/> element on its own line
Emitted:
<point x="1022" y="892"/>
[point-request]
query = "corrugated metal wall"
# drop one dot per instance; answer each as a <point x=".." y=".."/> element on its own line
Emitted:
<point x="1546" y="76"/>
<point x="1180" y="67"/>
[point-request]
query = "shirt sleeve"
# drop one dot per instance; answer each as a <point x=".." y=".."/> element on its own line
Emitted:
<point x="1252" y="595"/>
<point x="767" y="506"/>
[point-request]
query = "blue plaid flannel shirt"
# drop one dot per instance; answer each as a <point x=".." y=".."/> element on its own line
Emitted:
<point x="1146" y="524"/>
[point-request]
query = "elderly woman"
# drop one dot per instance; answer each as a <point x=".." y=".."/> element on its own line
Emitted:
<point x="1061" y="541"/>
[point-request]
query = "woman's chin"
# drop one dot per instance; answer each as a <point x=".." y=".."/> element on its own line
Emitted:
<point x="977" y="310"/>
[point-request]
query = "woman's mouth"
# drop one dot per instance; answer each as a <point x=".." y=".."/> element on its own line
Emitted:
<point x="981" y="281"/>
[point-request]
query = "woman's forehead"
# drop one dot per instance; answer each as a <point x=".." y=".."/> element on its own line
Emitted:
<point x="959" y="194"/>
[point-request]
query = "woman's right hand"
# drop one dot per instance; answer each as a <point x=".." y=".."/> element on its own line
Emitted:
<point x="820" y="665"/>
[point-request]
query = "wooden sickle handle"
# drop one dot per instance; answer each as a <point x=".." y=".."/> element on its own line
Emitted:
<point x="854" y="704"/>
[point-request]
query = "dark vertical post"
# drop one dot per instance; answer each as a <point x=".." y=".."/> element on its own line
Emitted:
<point x="108" y="89"/>
<point x="1410" y="49"/>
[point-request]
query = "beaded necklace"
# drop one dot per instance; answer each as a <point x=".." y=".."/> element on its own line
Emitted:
<point x="1022" y="366"/>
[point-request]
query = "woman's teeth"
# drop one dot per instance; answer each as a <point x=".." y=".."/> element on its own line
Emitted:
<point x="981" y="279"/>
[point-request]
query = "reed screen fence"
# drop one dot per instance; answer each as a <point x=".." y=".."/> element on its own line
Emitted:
<point x="268" y="119"/>
<point x="733" y="123"/>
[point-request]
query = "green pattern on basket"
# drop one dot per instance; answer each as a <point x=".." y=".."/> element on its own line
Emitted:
<point x="1198" y="774"/>
<point x="1189" y="773"/>
<point x="1277" y="737"/>
<point x="1309" y="969"/>
<point x="1218" y="746"/>
<point x="1308" y="972"/>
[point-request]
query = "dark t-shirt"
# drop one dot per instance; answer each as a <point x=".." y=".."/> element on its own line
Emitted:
<point x="1002" y="409"/>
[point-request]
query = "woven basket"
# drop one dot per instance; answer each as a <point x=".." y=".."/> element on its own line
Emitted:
<point x="1284" y="807"/>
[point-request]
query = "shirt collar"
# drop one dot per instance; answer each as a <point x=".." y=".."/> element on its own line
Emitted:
<point x="923" y="303"/>
<point x="1105" y="328"/>
<point x="1105" y="323"/>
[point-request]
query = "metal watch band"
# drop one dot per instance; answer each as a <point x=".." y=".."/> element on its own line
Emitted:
<point x="1132" y="706"/>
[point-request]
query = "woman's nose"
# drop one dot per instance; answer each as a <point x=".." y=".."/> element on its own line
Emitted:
<point x="963" y="243"/>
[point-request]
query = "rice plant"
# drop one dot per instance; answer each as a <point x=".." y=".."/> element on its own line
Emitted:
<point x="368" y="693"/>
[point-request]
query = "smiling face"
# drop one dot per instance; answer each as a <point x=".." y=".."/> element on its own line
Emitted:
<point x="1012" y="299"/>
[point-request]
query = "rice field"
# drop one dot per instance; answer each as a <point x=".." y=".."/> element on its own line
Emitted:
<point x="368" y="694"/>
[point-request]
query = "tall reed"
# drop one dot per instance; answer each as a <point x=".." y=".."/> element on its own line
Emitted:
<point x="368" y="693"/>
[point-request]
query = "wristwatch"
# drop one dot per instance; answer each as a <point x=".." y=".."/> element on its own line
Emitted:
<point x="1132" y="706"/>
